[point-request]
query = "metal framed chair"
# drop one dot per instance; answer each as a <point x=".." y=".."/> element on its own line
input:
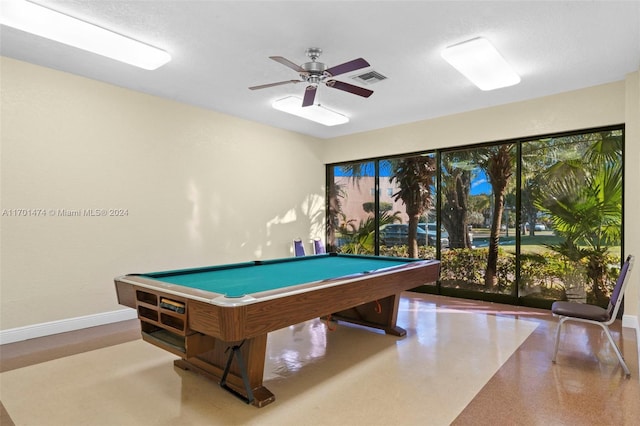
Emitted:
<point x="298" y="247"/>
<point x="568" y="311"/>
<point x="318" y="246"/>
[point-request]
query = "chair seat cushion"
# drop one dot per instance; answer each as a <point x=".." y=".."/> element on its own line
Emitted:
<point x="580" y="310"/>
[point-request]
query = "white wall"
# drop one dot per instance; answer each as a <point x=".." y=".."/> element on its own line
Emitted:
<point x="608" y="104"/>
<point x="199" y="188"/>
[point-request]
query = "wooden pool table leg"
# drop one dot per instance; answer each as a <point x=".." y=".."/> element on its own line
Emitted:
<point x="381" y="314"/>
<point x="212" y="365"/>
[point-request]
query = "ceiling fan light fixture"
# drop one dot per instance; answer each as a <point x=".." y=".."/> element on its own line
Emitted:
<point x="317" y="113"/>
<point x="479" y="61"/>
<point x="56" y="26"/>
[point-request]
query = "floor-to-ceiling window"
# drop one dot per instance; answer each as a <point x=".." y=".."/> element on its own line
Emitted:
<point x="524" y="221"/>
<point x="571" y="210"/>
<point x="407" y="205"/>
<point x="477" y="210"/>
<point x="352" y="212"/>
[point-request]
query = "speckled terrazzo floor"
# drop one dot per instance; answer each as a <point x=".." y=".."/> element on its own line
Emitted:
<point x="462" y="362"/>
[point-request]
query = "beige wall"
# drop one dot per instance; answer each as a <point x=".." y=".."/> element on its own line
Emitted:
<point x="199" y="187"/>
<point x="632" y="194"/>
<point x="192" y="181"/>
<point x="603" y="105"/>
<point x="592" y="107"/>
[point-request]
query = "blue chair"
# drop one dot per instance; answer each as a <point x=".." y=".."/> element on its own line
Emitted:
<point x="298" y="247"/>
<point x="318" y="246"/>
<point x="590" y="314"/>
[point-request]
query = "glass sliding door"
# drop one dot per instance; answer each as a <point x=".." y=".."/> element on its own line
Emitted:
<point x="407" y="201"/>
<point x="352" y="214"/>
<point x="477" y="211"/>
<point x="571" y="211"/>
<point x="523" y="221"/>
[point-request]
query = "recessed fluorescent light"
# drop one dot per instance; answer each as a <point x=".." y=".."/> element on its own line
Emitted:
<point x="48" y="23"/>
<point x="317" y="113"/>
<point x="481" y="63"/>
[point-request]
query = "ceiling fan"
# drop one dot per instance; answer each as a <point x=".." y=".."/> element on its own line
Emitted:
<point x="315" y="73"/>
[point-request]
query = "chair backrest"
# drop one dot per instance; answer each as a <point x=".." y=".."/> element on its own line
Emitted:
<point x="618" y="290"/>
<point x="318" y="246"/>
<point x="298" y="247"/>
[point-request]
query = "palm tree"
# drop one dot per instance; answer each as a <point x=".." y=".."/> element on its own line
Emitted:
<point x="336" y="222"/>
<point x="584" y="199"/>
<point x="414" y="176"/>
<point x="336" y="194"/>
<point x="455" y="188"/>
<point x="537" y="156"/>
<point x="498" y="163"/>
<point x="361" y="240"/>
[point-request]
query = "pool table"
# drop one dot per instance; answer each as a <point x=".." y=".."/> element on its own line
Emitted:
<point x="216" y="319"/>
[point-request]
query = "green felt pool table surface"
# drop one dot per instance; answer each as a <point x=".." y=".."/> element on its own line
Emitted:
<point x="237" y="280"/>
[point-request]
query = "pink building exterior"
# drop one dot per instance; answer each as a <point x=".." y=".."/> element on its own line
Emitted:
<point x="357" y="193"/>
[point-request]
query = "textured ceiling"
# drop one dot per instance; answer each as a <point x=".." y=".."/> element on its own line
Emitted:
<point x="220" y="48"/>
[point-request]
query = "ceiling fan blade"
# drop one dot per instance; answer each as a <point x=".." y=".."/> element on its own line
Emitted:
<point x="280" y="83"/>
<point x="309" y="96"/>
<point x="340" y="85"/>
<point x="356" y="64"/>
<point x="288" y="63"/>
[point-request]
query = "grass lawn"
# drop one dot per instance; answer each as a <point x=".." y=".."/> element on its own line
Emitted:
<point x="529" y="244"/>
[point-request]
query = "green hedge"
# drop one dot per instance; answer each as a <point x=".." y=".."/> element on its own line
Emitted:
<point x="546" y="275"/>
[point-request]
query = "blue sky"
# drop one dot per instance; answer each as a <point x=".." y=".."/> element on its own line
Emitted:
<point x="480" y="184"/>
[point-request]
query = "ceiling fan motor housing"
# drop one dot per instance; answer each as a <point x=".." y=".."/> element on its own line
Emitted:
<point x="314" y="71"/>
<point x="314" y="67"/>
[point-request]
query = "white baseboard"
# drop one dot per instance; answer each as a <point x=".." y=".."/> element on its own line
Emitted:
<point x="633" y="321"/>
<point x="62" y="326"/>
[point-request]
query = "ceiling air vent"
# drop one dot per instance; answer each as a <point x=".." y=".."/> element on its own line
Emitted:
<point x="369" y="77"/>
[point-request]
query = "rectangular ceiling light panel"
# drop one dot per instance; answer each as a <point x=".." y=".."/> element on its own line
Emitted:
<point x="48" y="23"/>
<point x="317" y="113"/>
<point x="481" y="63"/>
